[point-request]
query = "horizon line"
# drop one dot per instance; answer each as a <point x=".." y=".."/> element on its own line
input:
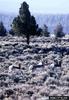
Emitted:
<point x="15" y="13"/>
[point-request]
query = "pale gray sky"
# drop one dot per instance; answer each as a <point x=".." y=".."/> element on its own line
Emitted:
<point x="37" y="6"/>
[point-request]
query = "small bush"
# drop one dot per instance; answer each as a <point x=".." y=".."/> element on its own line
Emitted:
<point x="45" y="31"/>
<point x="59" y="31"/>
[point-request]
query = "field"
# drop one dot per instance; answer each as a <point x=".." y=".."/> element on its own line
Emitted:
<point x="36" y="71"/>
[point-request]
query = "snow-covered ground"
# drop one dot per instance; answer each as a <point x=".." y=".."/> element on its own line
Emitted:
<point x="36" y="71"/>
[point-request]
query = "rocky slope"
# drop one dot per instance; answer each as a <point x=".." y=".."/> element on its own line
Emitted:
<point x="33" y="72"/>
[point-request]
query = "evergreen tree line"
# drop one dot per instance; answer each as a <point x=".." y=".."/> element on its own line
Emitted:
<point x="25" y="25"/>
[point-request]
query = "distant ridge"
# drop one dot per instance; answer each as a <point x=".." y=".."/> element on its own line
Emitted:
<point x="7" y="19"/>
<point x="51" y="20"/>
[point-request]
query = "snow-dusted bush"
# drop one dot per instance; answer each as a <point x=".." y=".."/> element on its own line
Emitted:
<point x="45" y="31"/>
<point x="59" y="31"/>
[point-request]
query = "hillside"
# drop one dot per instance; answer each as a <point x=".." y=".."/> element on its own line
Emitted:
<point x="39" y="70"/>
<point x="50" y="20"/>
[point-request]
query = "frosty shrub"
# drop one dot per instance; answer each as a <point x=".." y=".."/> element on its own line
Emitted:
<point x="59" y="31"/>
<point x="45" y="31"/>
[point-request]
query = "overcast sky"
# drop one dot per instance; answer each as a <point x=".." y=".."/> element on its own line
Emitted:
<point x="37" y="6"/>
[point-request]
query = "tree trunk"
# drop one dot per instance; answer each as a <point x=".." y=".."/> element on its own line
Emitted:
<point x="27" y="39"/>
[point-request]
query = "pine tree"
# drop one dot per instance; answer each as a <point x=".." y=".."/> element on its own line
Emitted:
<point x="2" y="29"/>
<point x="24" y="23"/>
